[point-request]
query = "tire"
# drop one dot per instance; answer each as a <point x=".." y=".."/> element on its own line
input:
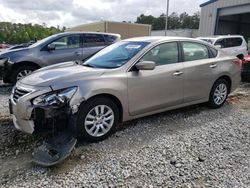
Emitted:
<point x="21" y="70"/>
<point x="219" y="94"/>
<point x="86" y="129"/>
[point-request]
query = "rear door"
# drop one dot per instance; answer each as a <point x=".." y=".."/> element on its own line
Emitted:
<point x="67" y="48"/>
<point x="200" y="70"/>
<point x="92" y="43"/>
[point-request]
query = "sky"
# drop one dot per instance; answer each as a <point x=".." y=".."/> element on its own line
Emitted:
<point x="70" y="13"/>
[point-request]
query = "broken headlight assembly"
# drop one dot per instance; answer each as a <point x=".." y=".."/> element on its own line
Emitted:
<point x="55" y="98"/>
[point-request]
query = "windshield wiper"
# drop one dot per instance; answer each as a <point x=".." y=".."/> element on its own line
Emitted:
<point x="88" y="65"/>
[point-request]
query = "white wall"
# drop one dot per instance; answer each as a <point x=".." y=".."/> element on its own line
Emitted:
<point x="177" y="32"/>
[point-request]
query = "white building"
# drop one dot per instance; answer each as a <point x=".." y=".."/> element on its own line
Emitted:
<point x="225" y="17"/>
<point x="192" y="33"/>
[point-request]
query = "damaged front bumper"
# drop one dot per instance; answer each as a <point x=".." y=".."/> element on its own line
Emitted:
<point x="30" y="118"/>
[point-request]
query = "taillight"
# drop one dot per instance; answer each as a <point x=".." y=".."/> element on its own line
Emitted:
<point x="238" y="62"/>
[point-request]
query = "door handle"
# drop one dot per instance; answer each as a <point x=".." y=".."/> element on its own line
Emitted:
<point x="178" y="73"/>
<point x="213" y="66"/>
<point x="78" y="53"/>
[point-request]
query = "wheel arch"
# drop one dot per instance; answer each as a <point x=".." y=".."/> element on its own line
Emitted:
<point x="114" y="99"/>
<point x="29" y="63"/>
<point x="228" y="79"/>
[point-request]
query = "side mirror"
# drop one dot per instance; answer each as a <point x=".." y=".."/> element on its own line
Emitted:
<point x="145" y="65"/>
<point x="51" y="47"/>
<point x="218" y="46"/>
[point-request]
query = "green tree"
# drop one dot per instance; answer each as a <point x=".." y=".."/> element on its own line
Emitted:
<point x="15" y="33"/>
<point x="175" y="21"/>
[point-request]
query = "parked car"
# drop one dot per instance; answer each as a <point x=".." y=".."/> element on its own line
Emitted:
<point x="126" y="80"/>
<point x="245" y="69"/>
<point x="232" y="44"/>
<point x="54" y="49"/>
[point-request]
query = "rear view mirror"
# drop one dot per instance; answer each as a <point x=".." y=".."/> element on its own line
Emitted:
<point x="218" y="46"/>
<point x="145" y="65"/>
<point x="51" y="47"/>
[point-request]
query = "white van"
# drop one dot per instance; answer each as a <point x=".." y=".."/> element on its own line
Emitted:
<point x="231" y="44"/>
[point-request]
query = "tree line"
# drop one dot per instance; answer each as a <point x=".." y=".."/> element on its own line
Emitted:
<point x="175" y="21"/>
<point x="17" y="33"/>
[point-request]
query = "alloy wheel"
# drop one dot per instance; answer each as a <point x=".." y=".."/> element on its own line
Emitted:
<point x="23" y="74"/>
<point x="99" y="120"/>
<point x="220" y="94"/>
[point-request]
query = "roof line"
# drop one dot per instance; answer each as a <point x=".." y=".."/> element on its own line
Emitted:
<point x="207" y="3"/>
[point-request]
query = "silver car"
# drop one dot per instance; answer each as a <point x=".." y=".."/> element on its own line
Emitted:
<point x="129" y="79"/>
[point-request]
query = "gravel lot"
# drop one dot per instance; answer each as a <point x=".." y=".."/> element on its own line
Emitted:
<point x="190" y="147"/>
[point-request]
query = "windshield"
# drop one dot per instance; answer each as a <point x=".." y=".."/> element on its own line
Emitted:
<point x="115" y="55"/>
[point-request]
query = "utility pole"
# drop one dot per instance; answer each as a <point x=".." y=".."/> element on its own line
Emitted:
<point x="166" y="26"/>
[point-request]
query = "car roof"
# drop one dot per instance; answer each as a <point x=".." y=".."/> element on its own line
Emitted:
<point x="87" y="32"/>
<point x="220" y="36"/>
<point x="158" y="39"/>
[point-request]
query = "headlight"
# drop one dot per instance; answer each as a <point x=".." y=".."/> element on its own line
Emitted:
<point x="55" y="98"/>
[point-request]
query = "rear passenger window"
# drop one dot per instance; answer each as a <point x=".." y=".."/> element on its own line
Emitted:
<point x="163" y="54"/>
<point x="233" y="42"/>
<point x="194" y="51"/>
<point x="92" y="40"/>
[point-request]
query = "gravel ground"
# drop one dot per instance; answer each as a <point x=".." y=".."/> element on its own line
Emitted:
<point x="190" y="147"/>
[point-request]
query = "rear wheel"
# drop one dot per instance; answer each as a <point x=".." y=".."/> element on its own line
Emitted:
<point x="21" y="72"/>
<point x="219" y="93"/>
<point x="97" y="119"/>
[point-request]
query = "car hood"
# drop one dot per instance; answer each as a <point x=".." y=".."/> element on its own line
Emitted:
<point x="13" y="52"/>
<point x="64" y="73"/>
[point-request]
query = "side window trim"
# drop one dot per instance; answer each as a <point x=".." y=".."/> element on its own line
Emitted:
<point x="131" y="68"/>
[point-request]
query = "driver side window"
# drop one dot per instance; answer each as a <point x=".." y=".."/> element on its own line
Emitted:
<point x="67" y="42"/>
<point x="163" y="54"/>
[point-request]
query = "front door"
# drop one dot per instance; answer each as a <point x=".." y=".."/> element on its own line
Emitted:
<point x="67" y="48"/>
<point x="151" y="90"/>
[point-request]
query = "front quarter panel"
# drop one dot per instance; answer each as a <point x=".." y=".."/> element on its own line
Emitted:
<point x="109" y="83"/>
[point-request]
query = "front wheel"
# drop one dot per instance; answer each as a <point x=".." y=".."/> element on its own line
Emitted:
<point x="21" y="72"/>
<point x="97" y="119"/>
<point x="219" y="93"/>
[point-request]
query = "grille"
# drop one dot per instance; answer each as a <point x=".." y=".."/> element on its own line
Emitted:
<point x="19" y="93"/>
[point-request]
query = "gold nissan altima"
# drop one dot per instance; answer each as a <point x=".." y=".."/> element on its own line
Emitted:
<point x="126" y="80"/>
